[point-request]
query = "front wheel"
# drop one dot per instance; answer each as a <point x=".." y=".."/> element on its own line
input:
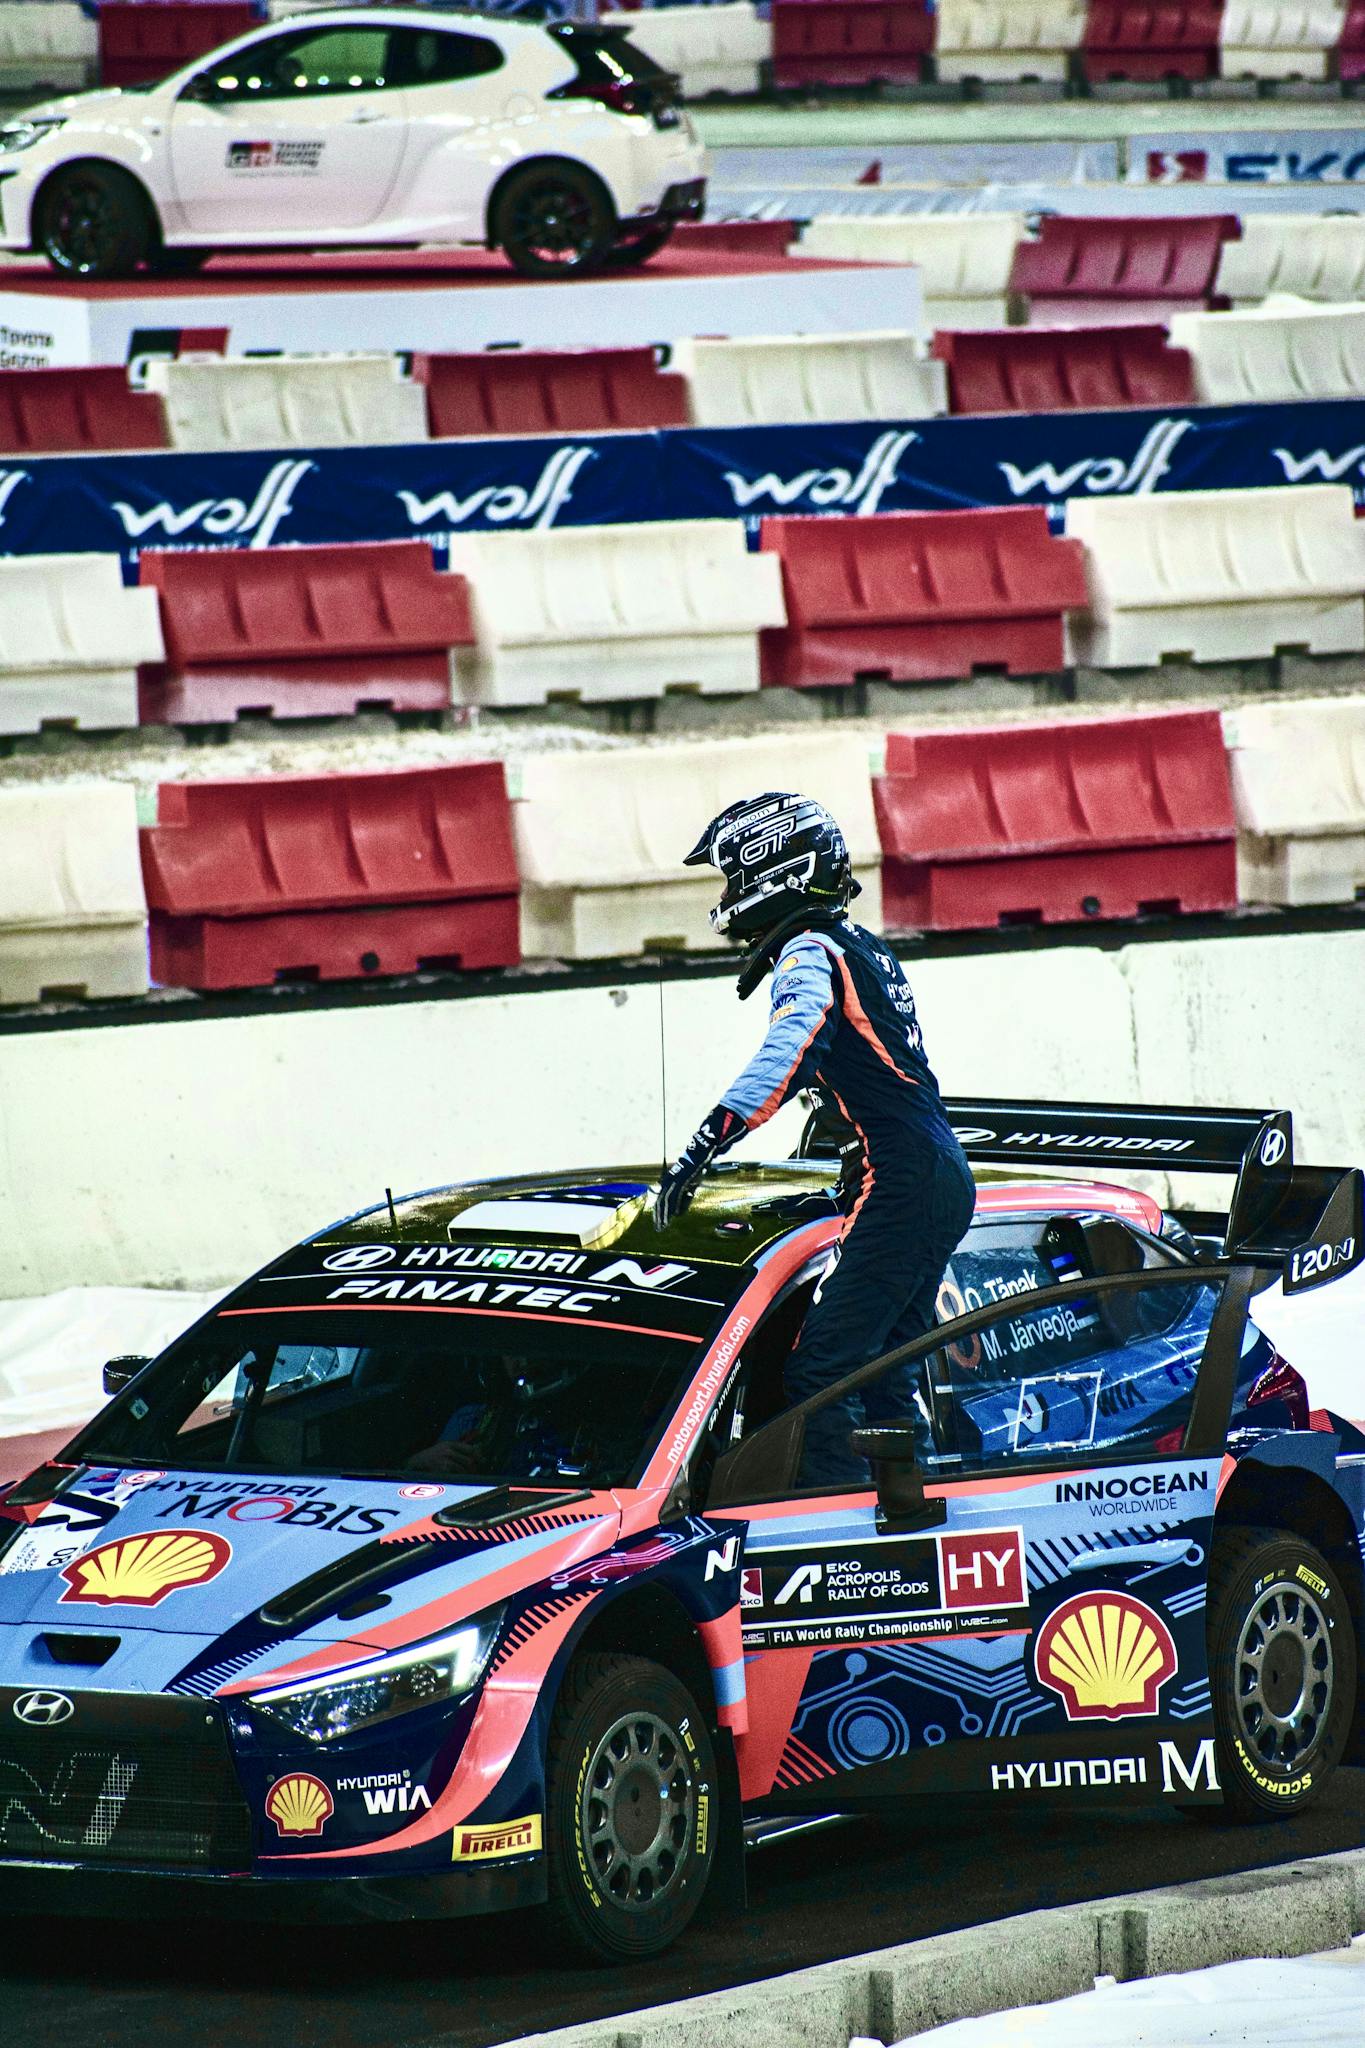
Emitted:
<point x="630" y="1809"/>
<point x="94" y="220"/>
<point x="1283" y="1666"/>
<point x="554" y="220"/>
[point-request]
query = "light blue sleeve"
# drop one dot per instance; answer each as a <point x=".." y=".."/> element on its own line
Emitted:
<point x="803" y="1011"/>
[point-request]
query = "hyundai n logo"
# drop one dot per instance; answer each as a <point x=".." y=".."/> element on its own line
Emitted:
<point x="43" y="1709"/>
<point x="359" y="1258"/>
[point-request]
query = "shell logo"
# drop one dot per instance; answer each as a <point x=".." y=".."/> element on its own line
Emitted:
<point x="1105" y="1655"/>
<point x="139" y="1571"/>
<point x="299" y="1804"/>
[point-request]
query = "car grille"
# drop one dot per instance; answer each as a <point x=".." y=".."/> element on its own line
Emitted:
<point x="159" y="1791"/>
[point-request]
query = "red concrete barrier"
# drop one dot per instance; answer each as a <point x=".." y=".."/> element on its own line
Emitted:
<point x="142" y="40"/>
<point x="1173" y="39"/>
<point x="75" y="411"/>
<point x="910" y="596"/>
<point x="1155" y="258"/>
<point x="1101" y="818"/>
<point x="549" y="391"/>
<point x="849" y="42"/>
<point x="1061" y="369"/>
<point x="324" y="877"/>
<point x="301" y="631"/>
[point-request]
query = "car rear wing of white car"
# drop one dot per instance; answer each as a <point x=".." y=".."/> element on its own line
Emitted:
<point x="1306" y="1220"/>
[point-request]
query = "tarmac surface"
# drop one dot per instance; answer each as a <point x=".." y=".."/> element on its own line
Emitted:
<point x="469" y="1984"/>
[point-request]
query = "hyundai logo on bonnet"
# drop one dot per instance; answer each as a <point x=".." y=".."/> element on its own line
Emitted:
<point x="43" y="1709"/>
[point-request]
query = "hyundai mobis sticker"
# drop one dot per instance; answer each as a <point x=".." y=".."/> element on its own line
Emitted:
<point x="654" y="1297"/>
<point x="851" y="1591"/>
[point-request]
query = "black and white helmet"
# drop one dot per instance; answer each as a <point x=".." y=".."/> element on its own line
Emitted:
<point x="778" y="853"/>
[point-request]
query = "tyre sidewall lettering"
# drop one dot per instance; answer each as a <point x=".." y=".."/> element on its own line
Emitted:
<point x="579" y="1845"/>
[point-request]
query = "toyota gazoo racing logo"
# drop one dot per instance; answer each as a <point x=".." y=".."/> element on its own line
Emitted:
<point x="834" y="489"/>
<point x="39" y="1709"/>
<point x="360" y="1258"/>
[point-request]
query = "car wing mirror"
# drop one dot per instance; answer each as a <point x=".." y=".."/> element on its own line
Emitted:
<point x="119" y="1371"/>
<point x="891" y="1450"/>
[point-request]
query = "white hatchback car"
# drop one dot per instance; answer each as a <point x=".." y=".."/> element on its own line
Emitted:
<point x="564" y="146"/>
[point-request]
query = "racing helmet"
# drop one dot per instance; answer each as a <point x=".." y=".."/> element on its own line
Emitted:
<point x="777" y="853"/>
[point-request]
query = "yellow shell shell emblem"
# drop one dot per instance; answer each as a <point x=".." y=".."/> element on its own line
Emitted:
<point x="299" y="1804"/>
<point x="1105" y="1655"/>
<point x="139" y="1571"/>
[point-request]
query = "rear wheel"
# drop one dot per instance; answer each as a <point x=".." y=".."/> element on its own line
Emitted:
<point x="94" y="220"/>
<point x="554" y="220"/>
<point x="630" y="1809"/>
<point x="629" y="255"/>
<point x="1283" y="1665"/>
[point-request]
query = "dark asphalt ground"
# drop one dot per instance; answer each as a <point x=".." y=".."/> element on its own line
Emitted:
<point x="111" y="1984"/>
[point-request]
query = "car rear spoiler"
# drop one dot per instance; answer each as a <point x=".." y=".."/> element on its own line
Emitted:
<point x="1305" y="1219"/>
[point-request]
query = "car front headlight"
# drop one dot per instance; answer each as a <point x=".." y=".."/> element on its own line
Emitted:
<point x="15" y="135"/>
<point x="337" y="1703"/>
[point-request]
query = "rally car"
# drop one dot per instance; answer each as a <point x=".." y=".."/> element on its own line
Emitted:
<point x="458" y="1559"/>
<point x="563" y="145"/>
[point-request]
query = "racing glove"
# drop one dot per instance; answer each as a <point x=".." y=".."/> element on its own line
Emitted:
<point x="715" y="1134"/>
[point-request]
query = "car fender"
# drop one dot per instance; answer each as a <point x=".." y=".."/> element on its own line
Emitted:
<point x="131" y="164"/>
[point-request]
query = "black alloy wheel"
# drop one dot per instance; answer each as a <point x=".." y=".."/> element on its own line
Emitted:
<point x="93" y="221"/>
<point x="1282" y="1658"/>
<point x="555" y="220"/>
<point x="631" y="1809"/>
<point x="638" y="249"/>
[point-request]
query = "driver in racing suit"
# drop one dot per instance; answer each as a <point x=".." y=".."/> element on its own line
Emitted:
<point x="842" y="1022"/>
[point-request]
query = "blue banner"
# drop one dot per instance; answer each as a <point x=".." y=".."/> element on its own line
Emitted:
<point x="120" y="504"/>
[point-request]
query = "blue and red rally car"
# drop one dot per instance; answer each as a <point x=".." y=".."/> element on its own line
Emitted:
<point x="455" y="1562"/>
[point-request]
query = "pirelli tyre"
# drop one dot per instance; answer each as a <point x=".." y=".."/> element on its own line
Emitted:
<point x="1282" y="1659"/>
<point x="630" y="1809"/>
<point x="93" y="220"/>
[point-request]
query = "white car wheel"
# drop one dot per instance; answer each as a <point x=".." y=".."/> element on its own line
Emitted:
<point x="93" y="220"/>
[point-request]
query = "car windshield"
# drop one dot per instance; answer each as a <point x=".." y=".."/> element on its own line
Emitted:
<point x="360" y="1392"/>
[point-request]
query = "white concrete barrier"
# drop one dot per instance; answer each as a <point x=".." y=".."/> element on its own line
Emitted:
<point x="53" y="1349"/>
<point x="719" y="48"/>
<point x="71" y="638"/>
<point x="601" y="837"/>
<point x="1315" y="256"/>
<point x="46" y="42"/>
<point x="1006" y="40"/>
<point x="73" y="914"/>
<point x="605" y="612"/>
<point x="964" y="260"/>
<point x="1298" y="779"/>
<point x="1219" y="575"/>
<point x="288" y="402"/>
<point x="1265" y="39"/>
<point x="762" y="380"/>
<point x="1276" y="353"/>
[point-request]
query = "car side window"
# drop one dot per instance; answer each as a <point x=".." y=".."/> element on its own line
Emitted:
<point x="437" y="56"/>
<point x="306" y="64"/>
<point x="1081" y="1377"/>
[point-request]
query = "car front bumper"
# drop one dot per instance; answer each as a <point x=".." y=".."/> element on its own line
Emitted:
<point x="141" y="1893"/>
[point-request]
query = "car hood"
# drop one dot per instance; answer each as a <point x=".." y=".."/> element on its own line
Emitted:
<point x="74" y="103"/>
<point x="161" y="1578"/>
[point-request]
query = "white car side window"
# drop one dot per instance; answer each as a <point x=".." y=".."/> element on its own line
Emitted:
<point x="305" y="65"/>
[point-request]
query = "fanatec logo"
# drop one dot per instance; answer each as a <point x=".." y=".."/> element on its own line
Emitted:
<point x="535" y="505"/>
<point x="359" y="1258"/>
<point x="828" y="490"/>
<point x="43" y="1709"/>
<point x="1103" y="475"/>
<point x="222" y="518"/>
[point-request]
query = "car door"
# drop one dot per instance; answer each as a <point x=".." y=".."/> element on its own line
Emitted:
<point x="299" y="132"/>
<point x="1048" y="1633"/>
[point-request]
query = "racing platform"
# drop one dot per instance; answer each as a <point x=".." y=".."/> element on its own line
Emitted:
<point x="392" y="300"/>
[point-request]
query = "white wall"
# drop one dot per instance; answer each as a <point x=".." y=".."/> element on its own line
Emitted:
<point x="185" y="1153"/>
